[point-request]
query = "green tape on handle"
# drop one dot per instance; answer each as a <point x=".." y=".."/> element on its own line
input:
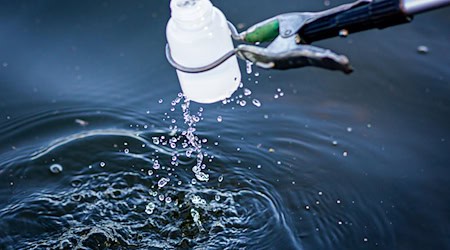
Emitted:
<point x="265" y="33"/>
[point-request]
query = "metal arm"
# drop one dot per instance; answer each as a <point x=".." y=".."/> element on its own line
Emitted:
<point x="412" y="7"/>
<point x="290" y="32"/>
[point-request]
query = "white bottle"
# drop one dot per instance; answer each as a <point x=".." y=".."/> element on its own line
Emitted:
<point x="198" y="34"/>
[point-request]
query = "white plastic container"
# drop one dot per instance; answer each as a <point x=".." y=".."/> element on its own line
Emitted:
<point x="198" y="34"/>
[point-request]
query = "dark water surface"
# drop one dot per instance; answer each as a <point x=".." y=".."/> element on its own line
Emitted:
<point x="336" y="162"/>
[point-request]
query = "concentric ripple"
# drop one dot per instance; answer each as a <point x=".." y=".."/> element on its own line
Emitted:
<point x="108" y="193"/>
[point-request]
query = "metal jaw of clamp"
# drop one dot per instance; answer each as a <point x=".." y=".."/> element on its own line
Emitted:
<point x="287" y="48"/>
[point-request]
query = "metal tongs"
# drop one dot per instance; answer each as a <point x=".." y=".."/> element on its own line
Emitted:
<point x="291" y="33"/>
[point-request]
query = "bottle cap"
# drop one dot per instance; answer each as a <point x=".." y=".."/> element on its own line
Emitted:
<point x="190" y="10"/>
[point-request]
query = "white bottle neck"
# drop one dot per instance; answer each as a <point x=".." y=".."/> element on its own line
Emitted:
<point x="191" y="14"/>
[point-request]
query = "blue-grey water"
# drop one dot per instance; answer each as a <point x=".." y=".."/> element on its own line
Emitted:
<point x="336" y="161"/>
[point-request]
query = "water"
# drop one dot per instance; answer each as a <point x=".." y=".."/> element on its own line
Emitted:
<point x="335" y="162"/>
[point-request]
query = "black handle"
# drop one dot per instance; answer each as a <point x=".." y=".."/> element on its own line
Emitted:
<point x="377" y="14"/>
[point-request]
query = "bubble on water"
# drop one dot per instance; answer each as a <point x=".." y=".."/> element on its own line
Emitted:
<point x="126" y="151"/>
<point x="307" y="207"/>
<point x="193" y="181"/>
<point x="256" y="74"/>
<point x="220" y="179"/>
<point x="247" y="92"/>
<point x="338" y="201"/>
<point x="349" y="129"/>
<point x="102" y="164"/>
<point x="155" y="140"/>
<point x="259" y="166"/>
<point x="320" y="193"/>
<point x="162" y="182"/>
<point x="242" y="103"/>
<point x="56" y="168"/>
<point x="422" y="49"/>
<point x="256" y="102"/>
<point x="276" y="96"/>
<point x="278" y="90"/>
<point x="335" y="143"/>
<point x="150" y="172"/>
<point x="160" y="101"/>
<point x="217" y="197"/>
<point x="150" y="208"/>
<point x="345" y="153"/>
<point x="168" y="199"/>
<point x="161" y="197"/>
<point x="366" y="240"/>
<point x="224" y="101"/>
<point x="281" y="93"/>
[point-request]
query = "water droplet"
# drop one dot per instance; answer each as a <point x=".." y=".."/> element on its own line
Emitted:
<point x="162" y="182"/>
<point x="56" y="168"/>
<point x="249" y="67"/>
<point x="247" y="92"/>
<point x="256" y="102"/>
<point x="343" y="33"/>
<point x="156" y="165"/>
<point x="150" y="208"/>
<point x="202" y="176"/>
